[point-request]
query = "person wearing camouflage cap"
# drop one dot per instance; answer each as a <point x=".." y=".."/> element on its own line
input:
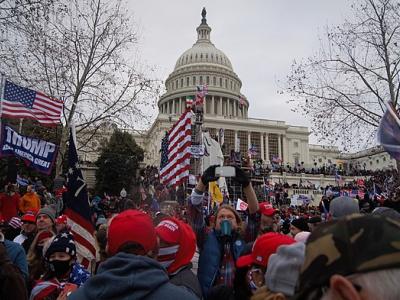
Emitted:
<point x="355" y="257"/>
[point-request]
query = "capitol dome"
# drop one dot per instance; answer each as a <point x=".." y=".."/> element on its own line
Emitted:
<point x="204" y="64"/>
<point x="203" y="52"/>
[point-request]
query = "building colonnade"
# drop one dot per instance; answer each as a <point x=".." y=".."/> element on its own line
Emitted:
<point x="214" y="105"/>
<point x="267" y="145"/>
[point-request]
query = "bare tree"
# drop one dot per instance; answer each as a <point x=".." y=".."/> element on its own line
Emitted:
<point x="344" y="86"/>
<point x="11" y="8"/>
<point x="82" y="51"/>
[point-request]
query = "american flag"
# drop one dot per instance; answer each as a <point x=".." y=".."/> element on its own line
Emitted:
<point x="78" y="210"/>
<point x="175" y="155"/>
<point x="360" y="182"/>
<point x="252" y="150"/>
<point x="339" y="179"/>
<point x="202" y="91"/>
<point x="20" y="102"/>
<point x="276" y="159"/>
<point x="241" y="101"/>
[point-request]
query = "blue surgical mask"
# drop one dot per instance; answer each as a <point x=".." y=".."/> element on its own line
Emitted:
<point x="226" y="228"/>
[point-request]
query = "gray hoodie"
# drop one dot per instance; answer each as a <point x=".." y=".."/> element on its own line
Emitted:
<point x="128" y="276"/>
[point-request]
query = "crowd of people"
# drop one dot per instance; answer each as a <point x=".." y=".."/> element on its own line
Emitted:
<point x="341" y="249"/>
<point x="259" y="168"/>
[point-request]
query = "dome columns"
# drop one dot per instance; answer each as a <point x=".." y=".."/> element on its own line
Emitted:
<point x="214" y="105"/>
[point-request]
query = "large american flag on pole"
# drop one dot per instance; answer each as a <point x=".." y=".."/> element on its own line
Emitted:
<point x="78" y="209"/>
<point x="175" y="154"/>
<point x="20" y="102"/>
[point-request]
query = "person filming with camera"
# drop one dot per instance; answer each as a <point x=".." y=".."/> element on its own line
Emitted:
<point x="223" y="244"/>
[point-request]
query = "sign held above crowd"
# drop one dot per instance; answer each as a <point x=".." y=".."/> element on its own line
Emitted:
<point x="39" y="154"/>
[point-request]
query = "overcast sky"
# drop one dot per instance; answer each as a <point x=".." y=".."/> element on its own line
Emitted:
<point x="260" y="37"/>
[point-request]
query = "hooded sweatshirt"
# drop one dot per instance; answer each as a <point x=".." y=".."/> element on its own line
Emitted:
<point x="29" y="202"/>
<point x="128" y="276"/>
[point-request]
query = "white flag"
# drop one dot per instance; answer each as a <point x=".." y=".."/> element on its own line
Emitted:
<point x="241" y="205"/>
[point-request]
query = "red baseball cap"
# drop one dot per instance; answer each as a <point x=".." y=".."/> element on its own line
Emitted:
<point x="131" y="226"/>
<point x="263" y="248"/>
<point x="29" y="217"/>
<point x="168" y="230"/>
<point x="176" y="232"/>
<point x="266" y="209"/>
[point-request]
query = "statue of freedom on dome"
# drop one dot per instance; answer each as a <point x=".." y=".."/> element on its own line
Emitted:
<point x="203" y="14"/>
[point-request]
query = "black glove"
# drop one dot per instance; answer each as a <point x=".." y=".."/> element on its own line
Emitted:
<point x="209" y="175"/>
<point x="241" y="177"/>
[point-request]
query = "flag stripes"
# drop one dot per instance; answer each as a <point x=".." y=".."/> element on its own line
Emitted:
<point x="175" y="156"/>
<point x="20" y="102"/>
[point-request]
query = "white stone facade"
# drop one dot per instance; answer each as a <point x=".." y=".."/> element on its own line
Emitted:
<point x="370" y="159"/>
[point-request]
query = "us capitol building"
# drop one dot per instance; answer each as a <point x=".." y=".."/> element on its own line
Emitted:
<point x="205" y="64"/>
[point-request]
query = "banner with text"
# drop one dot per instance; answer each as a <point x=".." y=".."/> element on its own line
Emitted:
<point x="38" y="154"/>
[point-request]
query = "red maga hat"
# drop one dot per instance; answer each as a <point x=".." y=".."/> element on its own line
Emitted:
<point x="131" y="226"/>
<point x="264" y="246"/>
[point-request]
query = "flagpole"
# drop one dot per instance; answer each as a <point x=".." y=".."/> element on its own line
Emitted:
<point x="21" y="120"/>
<point x="73" y="131"/>
<point x="2" y="84"/>
<point x="209" y="200"/>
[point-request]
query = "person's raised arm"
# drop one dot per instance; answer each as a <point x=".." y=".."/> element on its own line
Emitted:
<point x="195" y="205"/>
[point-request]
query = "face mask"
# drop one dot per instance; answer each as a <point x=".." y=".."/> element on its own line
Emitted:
<point x="226" y="228"/>
<point x="59" y="267"/>
<point x="166" y="255"/>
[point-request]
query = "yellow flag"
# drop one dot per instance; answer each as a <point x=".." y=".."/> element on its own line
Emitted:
<point x="215" y="192"/>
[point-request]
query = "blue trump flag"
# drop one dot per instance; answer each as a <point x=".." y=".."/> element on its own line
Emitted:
<point x="38" y="154"/>
<point x="78" y="209"/>
<point x="389" y="132"/>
